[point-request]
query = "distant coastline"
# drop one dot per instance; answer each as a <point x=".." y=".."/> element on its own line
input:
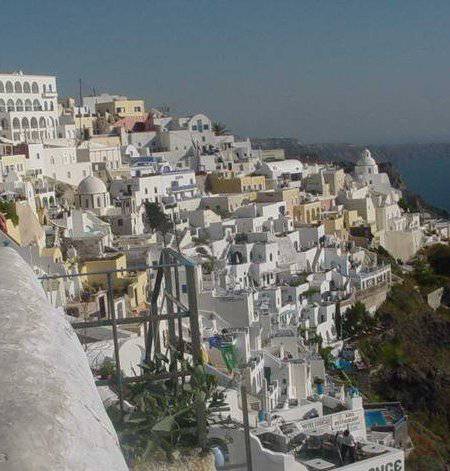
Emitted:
<point x="424" y="168"/>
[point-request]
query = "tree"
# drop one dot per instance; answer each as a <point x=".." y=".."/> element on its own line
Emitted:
<point x="439" y="258"/>
<point x="157" y="219"/>
<point x="327" y="356"/>
<point x="219" y="129"/>
<point x="8" y="208"/>
<point x="355" y="320"/>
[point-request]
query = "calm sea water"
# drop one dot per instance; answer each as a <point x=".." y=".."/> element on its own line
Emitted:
<point x="429" y="178"/>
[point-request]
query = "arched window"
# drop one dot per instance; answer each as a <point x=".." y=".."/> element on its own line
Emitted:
<point x="19" y="105"/>
<point x="25" y="123"/>
<point x="9" y="87"/>
<point x="4" y="124"/>
<point x="26" y="87"/>
<point x="2" y="87"/>
<point x="99" y="201"/>
<point x="18" y="87"/>
<point x="36" y="105"/>
<point x="34" y="123"/>
<point x="2" y="105"/>
<point x="44" y="88"/>
<point x="45" y="106"/>
<point x="10" y="105"/>
<point x="28" y="105"/>
<point x="34" y="87"/>
<point x="42" y="123"/>
<point x="51" y="106"/>
<point x="16" y="123"/>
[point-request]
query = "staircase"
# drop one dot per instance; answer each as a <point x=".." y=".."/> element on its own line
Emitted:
<point x="316" y="259"/>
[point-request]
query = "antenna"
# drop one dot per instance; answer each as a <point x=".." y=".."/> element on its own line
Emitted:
<point x="79" y="108"/>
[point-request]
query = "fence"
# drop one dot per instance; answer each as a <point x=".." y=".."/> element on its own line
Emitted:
<point x="166" y="303"/>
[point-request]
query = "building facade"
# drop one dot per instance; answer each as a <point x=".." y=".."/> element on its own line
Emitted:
<point x="28" y="107"/>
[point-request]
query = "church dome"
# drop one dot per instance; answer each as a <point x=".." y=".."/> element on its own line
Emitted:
<point x="366" y="158"/>
<point x="91" y="186"/>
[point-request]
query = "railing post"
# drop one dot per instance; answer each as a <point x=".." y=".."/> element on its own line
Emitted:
<point x="248" y="450"/>
<point x="169" y="303"/>
<point x="191" y="281"/>
<point x="112" y="313"/>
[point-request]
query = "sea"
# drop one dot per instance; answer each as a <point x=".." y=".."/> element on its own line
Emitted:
<point x="428" y="177"/>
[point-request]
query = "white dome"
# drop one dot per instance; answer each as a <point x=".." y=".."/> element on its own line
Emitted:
<point x="91" y="186"/>
<point x="366" y="158"/>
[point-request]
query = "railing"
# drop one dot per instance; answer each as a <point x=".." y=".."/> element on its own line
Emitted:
<point x="166" y="291"/>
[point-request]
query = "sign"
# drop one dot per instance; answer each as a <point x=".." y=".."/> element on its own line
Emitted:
<point x="396" y="465"/>
<point x="352" y="420"/>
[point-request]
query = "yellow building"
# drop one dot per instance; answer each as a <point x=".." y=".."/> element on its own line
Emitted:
<point x="13" y="163"/>
<point x="291" y="196"/>
<point x="333" y="223"/>
<point x="121" y="108"/>
<point x="351" y="218"/>
<point x="308" y="212"/>
<point x="231" y="183"/>
<point x="133" y="285"/>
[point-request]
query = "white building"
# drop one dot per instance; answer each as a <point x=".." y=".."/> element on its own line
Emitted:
<point x="57" y="160"/>
<point x="96" y="153"/>
<point x="28" y="107"/>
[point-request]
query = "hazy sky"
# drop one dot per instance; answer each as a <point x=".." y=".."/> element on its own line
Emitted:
<point x="321" y="71"/>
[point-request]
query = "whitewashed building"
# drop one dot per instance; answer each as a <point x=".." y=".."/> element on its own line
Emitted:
<point x="28" y="107"/>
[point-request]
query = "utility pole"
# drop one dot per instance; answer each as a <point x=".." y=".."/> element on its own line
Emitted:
<point x="79" y="109"/>
<point x="81" y="94"/>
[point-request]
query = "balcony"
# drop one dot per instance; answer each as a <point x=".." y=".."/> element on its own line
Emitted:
<point x="49" y="94"/>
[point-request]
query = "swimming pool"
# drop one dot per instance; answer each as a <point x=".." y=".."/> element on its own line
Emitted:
<point x="374" y="418"/>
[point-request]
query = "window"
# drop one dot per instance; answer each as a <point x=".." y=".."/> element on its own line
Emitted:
<point x="120" y="222"/>
<point x="137" y="109"/>
<point x="206" y="126"/>
<point x="194" y="127"/>
<point x="69" y="175"/>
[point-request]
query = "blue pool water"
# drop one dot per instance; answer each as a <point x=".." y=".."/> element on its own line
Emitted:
<point x="342" y="364"/>
<point x="374" y="418"/>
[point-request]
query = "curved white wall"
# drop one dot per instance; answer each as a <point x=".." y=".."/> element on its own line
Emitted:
<point x="51" y="414"/>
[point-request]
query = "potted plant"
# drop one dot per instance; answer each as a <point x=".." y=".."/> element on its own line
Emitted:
<point x="319" y="385"/>
<point x="161" y="431"/>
